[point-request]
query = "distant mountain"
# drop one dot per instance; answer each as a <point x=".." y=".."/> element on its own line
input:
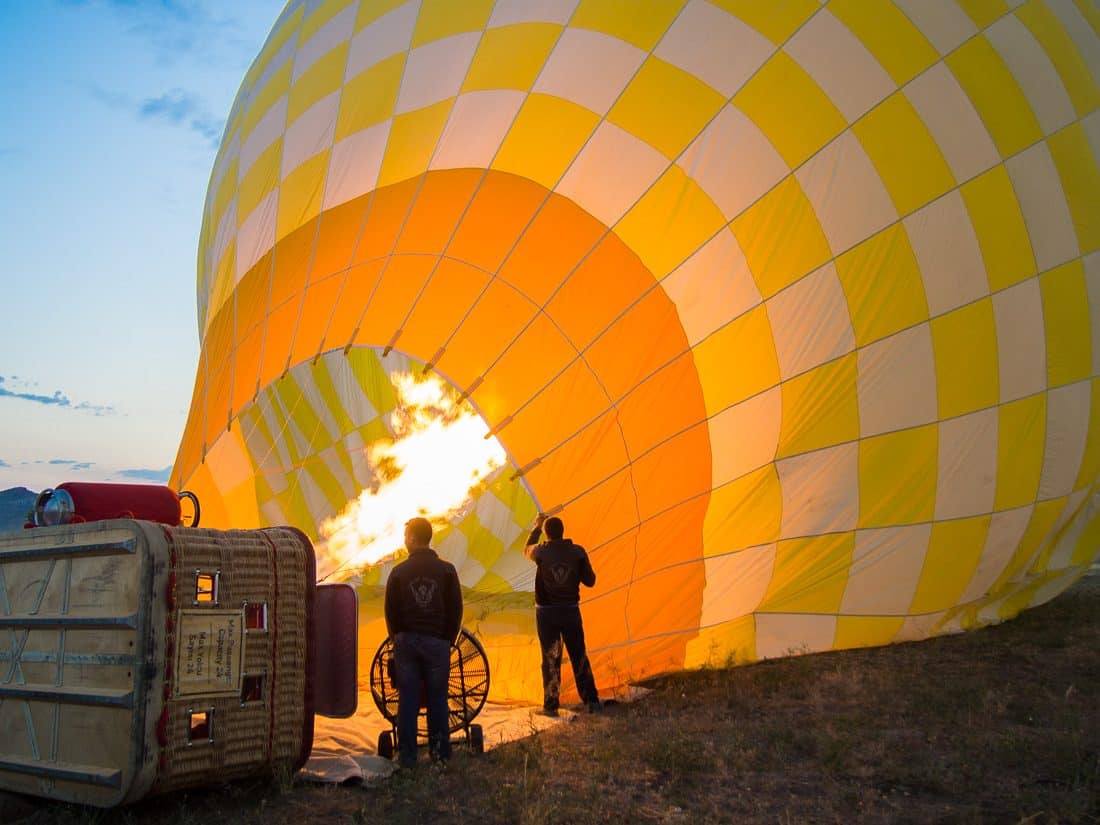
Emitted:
<point x="14" y="506"/>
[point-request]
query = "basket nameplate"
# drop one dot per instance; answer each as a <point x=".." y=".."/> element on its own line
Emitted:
<point x="209" y="652"/>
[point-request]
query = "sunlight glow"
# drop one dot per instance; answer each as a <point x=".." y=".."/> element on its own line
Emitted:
<point x="431" y="468"/>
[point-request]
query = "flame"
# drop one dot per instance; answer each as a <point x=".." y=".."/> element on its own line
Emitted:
<point x="440" y="453"/>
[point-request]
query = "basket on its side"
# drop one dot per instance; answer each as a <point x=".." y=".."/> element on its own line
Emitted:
<point x="139" y="658"/>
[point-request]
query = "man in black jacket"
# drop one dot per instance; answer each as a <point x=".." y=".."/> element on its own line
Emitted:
<point x="562" y="567"/>
<point x="423" y="616"/>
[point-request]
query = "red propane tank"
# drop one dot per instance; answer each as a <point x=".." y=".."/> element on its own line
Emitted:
<point x="79" y="501"/>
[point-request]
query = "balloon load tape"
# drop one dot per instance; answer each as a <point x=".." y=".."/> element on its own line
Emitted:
<point x="76" y="502"/>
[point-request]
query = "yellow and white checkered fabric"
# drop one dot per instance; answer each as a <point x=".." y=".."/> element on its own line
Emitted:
<point x="818" y="280"/>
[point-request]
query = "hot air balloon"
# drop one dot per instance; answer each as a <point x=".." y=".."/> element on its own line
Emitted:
<point x="785" y="308"/>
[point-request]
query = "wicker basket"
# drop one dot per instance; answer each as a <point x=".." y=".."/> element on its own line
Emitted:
<point x="143" y="658"/>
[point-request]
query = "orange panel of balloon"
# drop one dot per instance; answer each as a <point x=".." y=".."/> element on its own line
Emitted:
<point x="785" y="309"/>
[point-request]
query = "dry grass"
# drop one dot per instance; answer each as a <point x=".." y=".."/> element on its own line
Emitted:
<point x="1000" y="725"/>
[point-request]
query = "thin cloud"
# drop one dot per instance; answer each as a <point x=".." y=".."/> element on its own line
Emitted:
<point x="180" y="29"/>
<point x="4" y="463"/>
<point x="97" y="410"/>
<point x="172" y="26"/>
<point x="185" y="12"/>
<point x="113" y="100"/>
<point x="176" y="107"/>
<point x="209" y="127"/>
<point x="58" y="399"/>
<point x="180" y="32"/>
<point x="148" y="13"/>
<point x="73" y="465"/>
<point x="182" y="108"/>
<point x="218" y="32"/>
<point x="148" y="475"/>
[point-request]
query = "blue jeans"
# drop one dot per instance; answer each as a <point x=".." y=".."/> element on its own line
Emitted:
<point x="422" y="660"/>
<point x="557" y="624"/>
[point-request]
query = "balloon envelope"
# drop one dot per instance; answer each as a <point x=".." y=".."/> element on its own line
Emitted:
<point x="786" y="308"/>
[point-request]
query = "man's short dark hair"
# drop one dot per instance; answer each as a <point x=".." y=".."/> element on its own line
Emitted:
<point x="419" y="529"/>
<point x="554" y="528"/>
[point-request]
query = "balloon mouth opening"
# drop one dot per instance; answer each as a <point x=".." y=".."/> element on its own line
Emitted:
<point x="434" y="457"/>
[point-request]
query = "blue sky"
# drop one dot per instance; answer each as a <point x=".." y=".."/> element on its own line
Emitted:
<point x="111" y="111"/>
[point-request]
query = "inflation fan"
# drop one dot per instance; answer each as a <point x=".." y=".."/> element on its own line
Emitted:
<point x="466" y="691"/>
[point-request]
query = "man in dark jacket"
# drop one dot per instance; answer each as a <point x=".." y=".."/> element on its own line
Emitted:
<point x="423" y="616"/>
<point x="562" y="567"/>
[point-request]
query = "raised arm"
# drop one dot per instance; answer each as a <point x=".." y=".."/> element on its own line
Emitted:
<point x="533" y="539"/>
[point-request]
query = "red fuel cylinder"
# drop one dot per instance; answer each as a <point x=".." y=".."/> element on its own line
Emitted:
<point x="79" y="501"/>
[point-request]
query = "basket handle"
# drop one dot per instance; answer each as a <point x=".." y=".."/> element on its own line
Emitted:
<point x="187" y="494"/>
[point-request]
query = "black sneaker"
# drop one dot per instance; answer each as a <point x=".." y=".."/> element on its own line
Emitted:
<point x="595" y="707"/>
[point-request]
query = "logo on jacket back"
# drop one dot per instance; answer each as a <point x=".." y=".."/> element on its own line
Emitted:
<point x="423" y="592"/>
<point x="560" y="572"/>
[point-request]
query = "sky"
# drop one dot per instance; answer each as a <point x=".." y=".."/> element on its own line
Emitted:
<point x="110" y="118"/>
